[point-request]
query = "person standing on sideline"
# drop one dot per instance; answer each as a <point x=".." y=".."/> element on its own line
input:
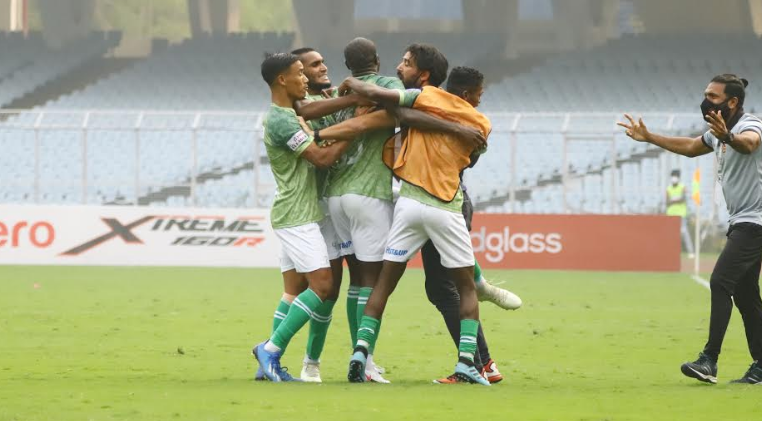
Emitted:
<point x="734" y="137"/>
<point x="677" y="205"/>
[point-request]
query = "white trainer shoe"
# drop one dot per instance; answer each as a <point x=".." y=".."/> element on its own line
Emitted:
<point x="380" y="369"/>
<point x="311" y="372"/>
<point x="498" y="296"/>
<point x="372" y="373"/>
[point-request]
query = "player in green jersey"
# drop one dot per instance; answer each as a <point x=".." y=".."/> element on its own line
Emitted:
<point x="419" y="217"/>
<point x="320" y="116"/>
<point x="294" y="154"/>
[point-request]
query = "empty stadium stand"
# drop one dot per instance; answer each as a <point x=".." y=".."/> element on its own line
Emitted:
<point x="552" y="148"/>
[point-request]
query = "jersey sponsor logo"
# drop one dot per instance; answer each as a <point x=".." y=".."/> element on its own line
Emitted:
<point x="38" y="234"/>
<point x="194" y="231"/>
<point x="345" y="245"/>
<point x="297" y="140"/>
<point x="396" y="252"/>
<point x="495" y="245"/>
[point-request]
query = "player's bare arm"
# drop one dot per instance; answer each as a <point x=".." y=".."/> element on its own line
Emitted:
<point x="310" y="110"/>
<point x="686" y="146"/>
<point x="422" y="121"/>
<point x="382" y="96"/>
<point x="340" y="136"/>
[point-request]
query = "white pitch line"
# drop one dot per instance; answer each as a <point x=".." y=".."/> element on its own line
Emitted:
<point x="701" y="281"/>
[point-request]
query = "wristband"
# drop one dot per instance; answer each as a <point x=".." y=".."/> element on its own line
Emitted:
<point x="317" y="136"/>
<point x="728" y="139"/>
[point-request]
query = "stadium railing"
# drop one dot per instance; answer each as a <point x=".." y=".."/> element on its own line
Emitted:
<point x="537" y="162"/>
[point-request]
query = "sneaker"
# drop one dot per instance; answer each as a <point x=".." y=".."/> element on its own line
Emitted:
<point x="491" y="373"/>
<point x="704" y="369"/>
<point x="356" y="372"/>
<point x="311" y="372"/>
<point x="371" y="361"/>
<point x="498" y="296"/>
<point x="453" y="379"/>
<point x="269" y="363"/>
<point x="753" y="375"/>
<point x="373" y="374"/>
<point x="464" y="373"/>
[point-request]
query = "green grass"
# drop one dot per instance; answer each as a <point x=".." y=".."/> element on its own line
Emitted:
<point x="102" y="344"/>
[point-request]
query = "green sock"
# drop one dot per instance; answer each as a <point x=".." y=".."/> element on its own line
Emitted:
<point x="372" y="348"/>
<point x="280" y="313"/>
<point x="477" y="272"/>
<point x="321" y="320"/>
<point x="468" y="331"/>
<point x="368" y="332"/>
<point x="362" y="301"/>
<point x="298" y="315"/>
<point x="352" y="295"/>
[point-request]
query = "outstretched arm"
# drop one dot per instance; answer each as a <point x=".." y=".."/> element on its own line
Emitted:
<point x="325" y="156"/>
<point x="686" y="146"/>
<point x="340" y="137"/>
<point x="350" y="129"/>
<point x="310" y="110"/>
<point x="422" y="121"/>
<point x="383" y="96"/>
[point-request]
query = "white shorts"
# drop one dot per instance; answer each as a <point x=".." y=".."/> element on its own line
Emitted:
<point x="362" y="224"/>
<point x="415" y="223"/>
<point x="332" y="242"/>
<point x="302" y="248"/>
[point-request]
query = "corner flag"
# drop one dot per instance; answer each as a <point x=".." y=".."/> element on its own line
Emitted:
<point x="696" y="188"/>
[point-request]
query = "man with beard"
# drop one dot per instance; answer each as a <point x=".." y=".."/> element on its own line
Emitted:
<point x="420" y="216"/>
<point x="734" y="137"/>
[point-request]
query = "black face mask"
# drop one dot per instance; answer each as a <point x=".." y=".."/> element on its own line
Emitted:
<point x="707" y="106"/>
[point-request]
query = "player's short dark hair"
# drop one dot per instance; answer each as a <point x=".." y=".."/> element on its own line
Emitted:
<point x="360" y="54"/>
<point x="303" y="50"/>
<point x="428" y="58"/>
<point x="275" y="64"/>
<point x="734" y="86"/>
<point x="676" y="172"/>
<point x="464" y="79"/>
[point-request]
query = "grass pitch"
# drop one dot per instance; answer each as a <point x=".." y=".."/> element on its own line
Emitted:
<point x="170" y="343"/>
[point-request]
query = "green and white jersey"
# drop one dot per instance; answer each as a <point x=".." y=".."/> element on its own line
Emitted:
<point x="322" y="175"/>
<point x="361" y="170"/>
<point x="407" y="99"/>
<point x="296" y="200"/>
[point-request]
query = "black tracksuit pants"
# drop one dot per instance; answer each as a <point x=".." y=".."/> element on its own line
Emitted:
<point x="736" y="279"/>
<point x="443" y="293"/>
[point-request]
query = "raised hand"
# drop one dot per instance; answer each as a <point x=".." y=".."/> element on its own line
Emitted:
<point x="635" y="130"/>
<point x="717" y="125"/>
<point x="346" y="86"/>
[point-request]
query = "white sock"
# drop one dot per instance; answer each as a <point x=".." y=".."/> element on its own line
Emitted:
<point x="270" y="347"/>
